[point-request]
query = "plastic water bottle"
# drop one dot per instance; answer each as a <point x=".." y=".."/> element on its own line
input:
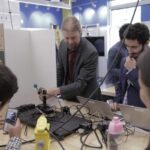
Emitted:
<point x="115" y="134"/>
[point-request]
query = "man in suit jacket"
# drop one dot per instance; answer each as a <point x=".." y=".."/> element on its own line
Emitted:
<point x="77" y="64"/>
<point x="128" y="88"/>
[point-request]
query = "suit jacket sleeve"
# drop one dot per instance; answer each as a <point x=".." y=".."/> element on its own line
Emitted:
<point x="132" y="76"/>
<point x="111" y="55"/>
<point x="122" y="84"/>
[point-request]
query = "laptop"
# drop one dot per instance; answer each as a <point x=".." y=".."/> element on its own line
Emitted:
<point x="97" y="108"/>
<point x="136" y="116"/>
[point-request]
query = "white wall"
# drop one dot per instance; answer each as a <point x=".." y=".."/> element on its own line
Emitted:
<point x="31" y="56"/>
<point x="5" y="15"/>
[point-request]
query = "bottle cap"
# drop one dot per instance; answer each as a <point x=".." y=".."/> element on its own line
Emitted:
<point x="115" y="126"/>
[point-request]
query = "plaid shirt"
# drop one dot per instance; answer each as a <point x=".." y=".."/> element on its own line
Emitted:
<point x="13" y="144"/>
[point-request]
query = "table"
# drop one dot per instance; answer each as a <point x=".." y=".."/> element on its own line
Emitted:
<point x="138" y="141"/>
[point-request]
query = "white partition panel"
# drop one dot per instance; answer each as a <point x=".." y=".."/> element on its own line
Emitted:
<point x="29" y="56"/>
<point x="44" y="57"/>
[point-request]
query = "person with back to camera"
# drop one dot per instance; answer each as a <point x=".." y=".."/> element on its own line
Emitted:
<point x="128" y="88"/>
<point x="144" y="79"/>
<point x="144" y="76"/>
<point x="118" y="47"/>
<point x="77" y="64"/>
<point x="8" y="87"/>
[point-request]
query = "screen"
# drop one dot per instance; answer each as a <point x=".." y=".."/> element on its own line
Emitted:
<point x="11" y="118"/>
<point x="98" y="42"/>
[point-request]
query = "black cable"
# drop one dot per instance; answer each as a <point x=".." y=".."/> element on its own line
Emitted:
<point x="3" y="145"/>
<point x="83" y="142"/>
<point x="87" y="135"/>
<point x="10" y="14"/>
<point x="25" y="131"/>
<point x="80" y="113"/>
<point x="129" y="129"/>
<point x="102" y="127"/>
<point x="29" y="141"/>
<point x="51" y="134"/>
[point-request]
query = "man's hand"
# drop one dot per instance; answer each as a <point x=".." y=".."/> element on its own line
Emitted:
<point x="50" y="93"/>
<point x="15" y="131"/>
<point x="130" y="63"/>
<point x="114" y="106"/>
<point x="53" y="92"/>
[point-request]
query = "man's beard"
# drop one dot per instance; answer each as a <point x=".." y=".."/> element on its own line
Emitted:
<point x="135" y="56"/>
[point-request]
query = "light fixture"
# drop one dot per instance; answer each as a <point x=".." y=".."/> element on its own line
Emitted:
<point x="55" y="4"/>
<point x="80" y="8"/>
<point x="102" y="12"/>
<point x="93" y="5"/>
<point x="89" y="14"/>
<point x="21" y="21"/>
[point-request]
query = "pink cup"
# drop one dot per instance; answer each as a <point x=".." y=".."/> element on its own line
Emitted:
<point x="115" y="126"/>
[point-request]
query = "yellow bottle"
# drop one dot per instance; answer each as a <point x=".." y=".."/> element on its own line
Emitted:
<point x="42" y="137"/>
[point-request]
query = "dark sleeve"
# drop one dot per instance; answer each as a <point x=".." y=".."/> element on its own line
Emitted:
<point x="87" y="72"/>
<point x="111" y="55"/>
<point x="132" y="76"/>
<point x="122" y="84"/>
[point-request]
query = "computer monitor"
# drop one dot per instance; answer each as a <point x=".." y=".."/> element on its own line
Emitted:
<point x="99" y="43"/>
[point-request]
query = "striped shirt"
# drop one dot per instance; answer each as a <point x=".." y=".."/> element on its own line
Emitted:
<point x="13" y="144"/>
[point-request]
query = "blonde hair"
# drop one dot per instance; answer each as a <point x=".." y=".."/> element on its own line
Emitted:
<point x="73" y="23"/>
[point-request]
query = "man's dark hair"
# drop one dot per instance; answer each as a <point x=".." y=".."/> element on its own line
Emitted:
<point x="144" y="67"/>
<point x="8" y="84"/>
<point x="122" y="30"/>
<point x="139" y="32"/>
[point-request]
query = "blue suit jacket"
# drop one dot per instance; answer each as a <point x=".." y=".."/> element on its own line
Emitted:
<point x="128" y="82"/>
